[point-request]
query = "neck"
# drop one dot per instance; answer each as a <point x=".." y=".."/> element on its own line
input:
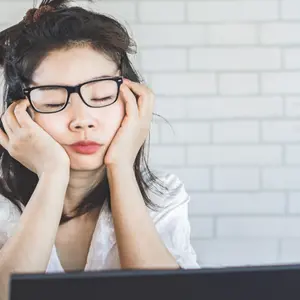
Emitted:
<point x="80" y="184"/>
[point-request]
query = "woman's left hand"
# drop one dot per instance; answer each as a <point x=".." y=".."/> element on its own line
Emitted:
<point x="134" y="129"/>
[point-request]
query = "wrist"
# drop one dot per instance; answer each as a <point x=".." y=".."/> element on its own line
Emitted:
<point x="119" y="170"/>
<point x="61" y="174"/>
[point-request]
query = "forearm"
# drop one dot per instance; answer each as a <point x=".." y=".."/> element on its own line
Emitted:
<point x="139" y="243"/>
<point x="29" y="249"/>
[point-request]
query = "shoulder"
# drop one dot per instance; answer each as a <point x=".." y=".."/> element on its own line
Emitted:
<point x="171" y="220"/>
<point x="172" y="196"/>
<point x="9" y="217"/>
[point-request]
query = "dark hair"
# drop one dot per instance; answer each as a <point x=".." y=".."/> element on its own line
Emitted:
<point x="23" y="47"/>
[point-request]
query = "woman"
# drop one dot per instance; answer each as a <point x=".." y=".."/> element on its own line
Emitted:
<point x="77" y="193"/>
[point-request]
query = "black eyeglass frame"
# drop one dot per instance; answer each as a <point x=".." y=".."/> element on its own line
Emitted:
<point x="73" y="89"/>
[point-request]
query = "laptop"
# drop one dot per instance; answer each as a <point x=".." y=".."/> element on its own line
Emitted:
<point x="230" y="283"/>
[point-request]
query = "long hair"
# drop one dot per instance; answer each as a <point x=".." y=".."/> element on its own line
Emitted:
<point x="23" y="47"/>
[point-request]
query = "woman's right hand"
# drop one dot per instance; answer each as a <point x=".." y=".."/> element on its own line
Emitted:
<point x="29" y="143"/>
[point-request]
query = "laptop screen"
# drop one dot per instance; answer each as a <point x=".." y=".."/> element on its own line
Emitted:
<point x="266" y="283"/>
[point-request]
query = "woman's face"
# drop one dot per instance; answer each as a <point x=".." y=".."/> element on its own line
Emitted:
<point x="78" y="122"/>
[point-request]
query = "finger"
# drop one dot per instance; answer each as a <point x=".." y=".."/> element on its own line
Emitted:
<point x="6" y="127"/>
<point x="145" y="100"/>
<point x="129" y="98"/>
<point x="10" y="118"/>
<point x="146" y="106"/>
<point x="3" y="139"/>
<point x="22" y="115"/>
<point x="138" y="88"/>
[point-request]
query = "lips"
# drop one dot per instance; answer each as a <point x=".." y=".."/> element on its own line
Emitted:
<point x="85" y="147"/>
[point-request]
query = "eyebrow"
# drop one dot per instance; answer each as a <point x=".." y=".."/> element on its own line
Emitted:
<point x="93" y="78"/>
<point x="101" y="77"/>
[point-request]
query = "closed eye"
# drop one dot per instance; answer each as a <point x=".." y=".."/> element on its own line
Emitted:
<point x="102" y="99"/>
<point x="54" y="105"/>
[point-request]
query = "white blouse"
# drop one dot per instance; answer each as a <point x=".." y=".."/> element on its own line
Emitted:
<point x="171" y="222"/>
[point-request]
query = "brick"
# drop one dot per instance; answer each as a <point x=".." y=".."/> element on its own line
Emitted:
<point x="280" y="34"/>
<point x="231" y="11"/>
<point x="167" y="156"/>
<point x="292" y="58"/>
<point x="3" y="26"/>
<point x="13" y="12"/>
<point x="155" y="133"/>
<point x="290" y="10"/>
<point x="281" y="131"/>
<point x="236" y="179"/>
<point x="236" y="132"/>
<point x="183" y="132"/>
<point x="292" y="107"/>
<point x="234" y="58"/>
<point x="236" y="252"/>
<point x="269" y="227"/>
<point x="168" y="35"/>
<point x="202" y="227"/>
<point x="122" y="10"/>
<point x="239" y="107"/>
<point x="294" y="203"/>
<point x="280" y="83"/>
<point x="232" y="34"/>
<point x="156" y="11"/>
<point x="234" y="155"/>
<point x="281" y="178"/>
<point x="292" y="155"/>
<point x="194" y="179"/>
<point x="260" y="203"/>
<point x="171" y="107"/>
<point x="238" y="84"/>
<point x="184" y="84"/>
<point x="290" y="251"/>
<point x="164" y="60"/>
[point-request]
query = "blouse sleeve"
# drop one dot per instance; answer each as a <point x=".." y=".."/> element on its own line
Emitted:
<point x="172" y="223"/>
<point x="9" y="217"/>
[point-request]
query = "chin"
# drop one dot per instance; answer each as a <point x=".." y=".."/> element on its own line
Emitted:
<point x="86" y="164"/>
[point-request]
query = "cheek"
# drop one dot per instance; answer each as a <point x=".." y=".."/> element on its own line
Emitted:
<point x="52" y="124"/>
<point x="109" y="120"/>
<point x="112" y="118"/>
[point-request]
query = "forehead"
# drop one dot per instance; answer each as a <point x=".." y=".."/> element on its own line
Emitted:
<point x="73" y="66"/>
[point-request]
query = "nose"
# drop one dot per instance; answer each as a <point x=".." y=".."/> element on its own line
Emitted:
<point x="81" y="124"/>
<point x="81" y="120"/>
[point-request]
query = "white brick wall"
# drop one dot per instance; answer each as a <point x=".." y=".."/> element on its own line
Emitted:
<point x="226" y="75"/>
<point x="232" y="11"/>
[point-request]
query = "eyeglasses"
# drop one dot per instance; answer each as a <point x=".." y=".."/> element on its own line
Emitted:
<point x="54" y="98"/>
